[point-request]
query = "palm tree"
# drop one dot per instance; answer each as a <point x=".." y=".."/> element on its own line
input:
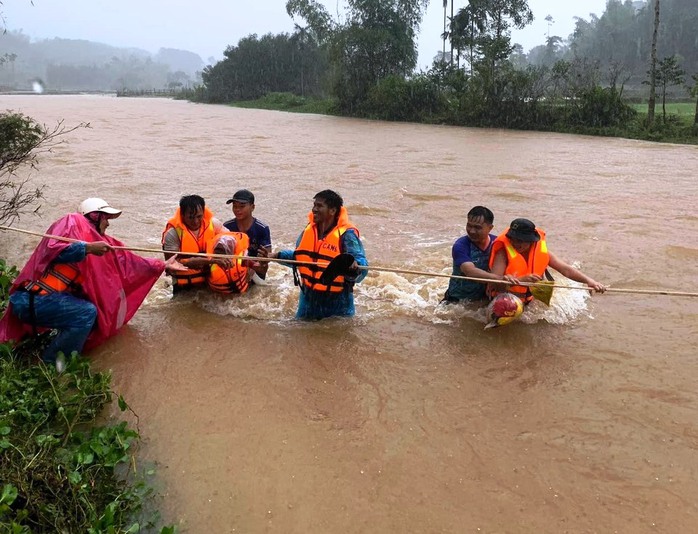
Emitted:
<point x="466" y="27"/>
<point x="443" y="53"/>
<point x="653" y="67"/>
<point x="451" y="39"/>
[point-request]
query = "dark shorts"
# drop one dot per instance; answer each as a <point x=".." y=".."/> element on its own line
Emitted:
<point x="448" y="299"/>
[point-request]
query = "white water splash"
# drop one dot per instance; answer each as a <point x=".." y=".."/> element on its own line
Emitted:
<point x="378" y="295"/>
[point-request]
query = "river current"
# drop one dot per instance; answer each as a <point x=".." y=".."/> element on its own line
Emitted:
<point x="409" y="417"/>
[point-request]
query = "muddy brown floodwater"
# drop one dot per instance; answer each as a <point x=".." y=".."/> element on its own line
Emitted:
<point x="409" y="417"/>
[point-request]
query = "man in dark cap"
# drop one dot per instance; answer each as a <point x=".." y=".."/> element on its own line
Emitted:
<point x="256" y="230"/>
<point x="522" y="252"/>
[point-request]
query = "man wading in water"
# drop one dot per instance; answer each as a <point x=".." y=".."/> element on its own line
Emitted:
<point x="189" y="230"/>
<point x="257" y="232"/>
<point x="471" y="256"/>
<point x="329" y="234"/>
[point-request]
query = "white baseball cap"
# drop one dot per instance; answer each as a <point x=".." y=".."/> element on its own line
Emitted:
<point x="97" y="204"/>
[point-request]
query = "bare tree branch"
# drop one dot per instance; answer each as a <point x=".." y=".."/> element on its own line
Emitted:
<point x="22" y="140"/>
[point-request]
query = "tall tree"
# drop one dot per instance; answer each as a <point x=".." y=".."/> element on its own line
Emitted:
<point x="452" y="15"/>
<point x="316" y="16"/>
<point x="549" y="19"/>
<point x="376" y="40"/>
<point x="668" y="73"/>
<point x="444" y="35"/>
<point x="497" y="18"/>
<point x="693" y="91"/>
<point x="653" y="67"/>
<point x="467" y="26"/>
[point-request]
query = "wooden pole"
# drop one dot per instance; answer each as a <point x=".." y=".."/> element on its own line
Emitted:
<point x="370" y="268"/>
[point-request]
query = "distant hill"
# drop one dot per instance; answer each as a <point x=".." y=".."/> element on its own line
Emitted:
<point x="180" y="60"/>
<point x="79" y="65"/>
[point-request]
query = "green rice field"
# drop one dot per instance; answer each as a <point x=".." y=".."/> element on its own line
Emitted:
<point x="685" y="110"/>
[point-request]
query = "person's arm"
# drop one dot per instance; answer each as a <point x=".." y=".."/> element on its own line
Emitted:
<point x="461" y="257"/>
<point x="351" y="244"/>
<point x="217" y="226"/>
<point x="263" y="251"/>
<point x="73" y="253"/>
<point x="499" y="265"/>
<point x="171" y="247"/>
<point x="469" y="269"/>
<point x="76" y="252"/>
<point x="287" y="254"/>
<point x="570" y="272"/>
<point x="199" y="262"/>
<point x="171" y="243"/>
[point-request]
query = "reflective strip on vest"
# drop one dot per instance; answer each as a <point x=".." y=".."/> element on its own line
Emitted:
<point x="309" y="250"/>
<point x="518" y="266"/>
<point x="188" y="242"/>
<point x="233" y="280"/>
<point x="59" y="277"/>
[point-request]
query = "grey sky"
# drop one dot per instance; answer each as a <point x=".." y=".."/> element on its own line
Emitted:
<point x="208" y="26"/>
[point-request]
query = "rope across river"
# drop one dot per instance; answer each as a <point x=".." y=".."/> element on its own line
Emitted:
<point x="371" y="268"/>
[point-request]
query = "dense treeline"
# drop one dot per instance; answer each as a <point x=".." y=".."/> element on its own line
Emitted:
<point x="273" y="63"/>
<point x="364" y="63"/>
<point x="344" y="59"/>
<point x="77" y="65"/>
<point x="620" y="39"/>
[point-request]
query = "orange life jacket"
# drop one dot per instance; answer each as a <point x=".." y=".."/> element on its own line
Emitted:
<point x="235" y="279"/>
<point x="190" y="242"/>
<point x="58" y="277"/>
<point x="321" y="252"/>
<point x="517" y="265"/>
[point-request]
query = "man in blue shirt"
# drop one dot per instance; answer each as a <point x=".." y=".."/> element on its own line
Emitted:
<point x="471" y="255"/>
<point x="256" y="230"/>
<point x="329" y="233"/>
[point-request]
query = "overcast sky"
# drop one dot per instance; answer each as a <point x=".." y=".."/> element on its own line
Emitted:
<point x="208" y="26"/>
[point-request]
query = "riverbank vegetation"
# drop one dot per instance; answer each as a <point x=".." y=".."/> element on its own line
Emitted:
<point x="363" y="65"/>
<point x="289" y="102"/>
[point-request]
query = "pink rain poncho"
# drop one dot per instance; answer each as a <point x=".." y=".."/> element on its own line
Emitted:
<point x="116" y="283"/>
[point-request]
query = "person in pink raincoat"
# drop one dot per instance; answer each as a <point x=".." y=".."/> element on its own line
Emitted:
<point x="86" y="289"/>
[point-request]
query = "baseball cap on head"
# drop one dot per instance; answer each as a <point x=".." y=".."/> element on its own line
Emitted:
<point x="523" y="230"/>
<point x="243" y="195"/>
<point x="97" y="204"/>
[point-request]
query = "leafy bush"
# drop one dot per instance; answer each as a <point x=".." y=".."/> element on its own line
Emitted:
<point x="395" y="98"/>
<point x="21" y="140"/>
<point x="61" y="473"/>
<point x="7" y="275"/>
<point x="289" y="102"/>
<point x="601" y="107"/>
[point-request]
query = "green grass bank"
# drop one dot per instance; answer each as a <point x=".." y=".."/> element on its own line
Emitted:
<point x="679" y="126"/>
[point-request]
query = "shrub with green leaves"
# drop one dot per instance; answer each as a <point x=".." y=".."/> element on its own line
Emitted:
<point x="7" y="275"/>
<point x="61" y="473"/>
